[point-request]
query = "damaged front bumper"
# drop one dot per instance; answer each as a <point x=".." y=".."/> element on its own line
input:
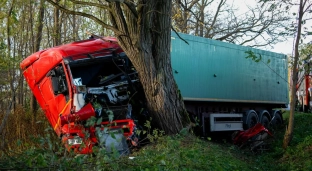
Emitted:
<point x="115" y="135"/>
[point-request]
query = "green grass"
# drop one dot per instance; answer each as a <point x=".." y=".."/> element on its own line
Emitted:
<point x="188" y="153"/>
<point x="177" y="153"/>
<point x="297" y="156"/>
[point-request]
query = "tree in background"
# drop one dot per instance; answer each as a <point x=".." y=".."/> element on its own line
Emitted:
<point x="259" y="25"/>
<point x="23" y="31"/>
<point x="306" y="51"/>
<point x="304" y="7"/>
<point x="37" y="42"/>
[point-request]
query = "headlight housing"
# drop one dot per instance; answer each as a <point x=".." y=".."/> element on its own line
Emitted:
<point x="76" y="140"/>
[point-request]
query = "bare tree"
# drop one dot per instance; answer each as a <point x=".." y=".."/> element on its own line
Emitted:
<point x="181" y="14"/>
<point x="24" y="31"/>
<point x="36" y="47"/>
<point x="9" y="104"/>
<point x="304" y="7"/>
<point x="57" y="26"/>
<point x="259" y="26"/>
<point x="143" y="30"/>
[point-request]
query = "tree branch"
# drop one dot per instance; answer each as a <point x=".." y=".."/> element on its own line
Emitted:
<point x="131" y="7"/>
<point x="215" y="16"/>
<point x="102" y="6"/>
<point x="92" y="17"/>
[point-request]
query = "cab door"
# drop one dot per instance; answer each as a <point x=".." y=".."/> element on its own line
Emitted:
<point x="55" y="92"/>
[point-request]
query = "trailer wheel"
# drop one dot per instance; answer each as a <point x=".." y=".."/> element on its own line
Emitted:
<point x="252" y="119"/>
<point x="265" y="121"/>
<point x="277" y="120"/>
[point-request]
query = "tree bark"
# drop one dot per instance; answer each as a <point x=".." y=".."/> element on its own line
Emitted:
<point x="11" y="70"/>
<point x="57" y="27"/>
<point x="148" y="48"/>
<point x="38" y="38"/>
<point x="290" y="128"/>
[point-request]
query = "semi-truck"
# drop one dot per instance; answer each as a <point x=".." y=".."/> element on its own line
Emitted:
<point x="304" y="88"/>
<point x="93" y="79"/>
<point x="223" y="88"/>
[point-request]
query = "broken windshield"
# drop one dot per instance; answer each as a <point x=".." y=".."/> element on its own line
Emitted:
<point x="108" y="82"/>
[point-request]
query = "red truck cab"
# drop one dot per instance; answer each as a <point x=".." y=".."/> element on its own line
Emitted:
<point x="86" y="79"/>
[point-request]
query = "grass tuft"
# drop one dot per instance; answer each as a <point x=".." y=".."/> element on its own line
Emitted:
<point x="36" y="149"/>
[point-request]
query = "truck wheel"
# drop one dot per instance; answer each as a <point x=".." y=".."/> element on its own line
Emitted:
<point x="277" y="120"/>
<point x="265" y="121"/>
<point x="252" y="119"/>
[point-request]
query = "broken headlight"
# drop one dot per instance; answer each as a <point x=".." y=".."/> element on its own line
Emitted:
<point x="74" y="140"/>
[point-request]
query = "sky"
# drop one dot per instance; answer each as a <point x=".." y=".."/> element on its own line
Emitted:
<point x="285" y="47"/>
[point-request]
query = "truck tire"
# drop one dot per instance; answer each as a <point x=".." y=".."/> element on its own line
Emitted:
<point x="277" y="120"/>
<point x="265" y="121"/>
<point x="251" y="120"/>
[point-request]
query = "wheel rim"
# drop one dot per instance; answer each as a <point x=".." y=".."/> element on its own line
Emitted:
<point x="278" y="120"/>
<point x="252" y="121"/>
<point x="265" y="121"/>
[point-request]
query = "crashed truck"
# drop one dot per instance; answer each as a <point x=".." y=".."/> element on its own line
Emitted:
<point x="222" y="90"/>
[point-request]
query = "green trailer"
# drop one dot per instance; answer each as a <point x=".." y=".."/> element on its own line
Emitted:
<point x="224" y="88"/>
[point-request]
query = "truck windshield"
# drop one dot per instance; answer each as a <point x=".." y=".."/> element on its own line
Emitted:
<point x="109" y="83"/>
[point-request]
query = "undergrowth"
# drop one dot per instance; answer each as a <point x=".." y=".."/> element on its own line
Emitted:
<point x="178" y="152"/>
<point x="298" y="154"/>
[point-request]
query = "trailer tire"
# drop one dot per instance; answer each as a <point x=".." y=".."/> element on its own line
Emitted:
<point x="277" y="120"/>
<point x="251" y="120"/>
<point x="265" y="121"/>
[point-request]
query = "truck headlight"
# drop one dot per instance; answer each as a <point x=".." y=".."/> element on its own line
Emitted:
<point x="74" y="140"/>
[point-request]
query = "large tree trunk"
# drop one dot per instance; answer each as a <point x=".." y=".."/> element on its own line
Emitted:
<point x="163" y="100"/>
<point x="148" y="48"/>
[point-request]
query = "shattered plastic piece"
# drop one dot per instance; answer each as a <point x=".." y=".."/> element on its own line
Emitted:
<point x="77" y="81"/>
<point x="254" y="136"/>
<point x="114" y="140"/>
<point x="129" y="111"/>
